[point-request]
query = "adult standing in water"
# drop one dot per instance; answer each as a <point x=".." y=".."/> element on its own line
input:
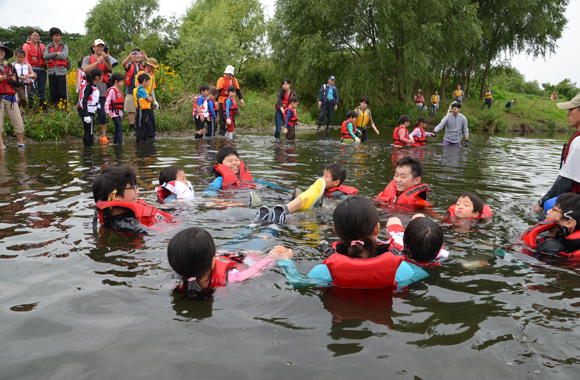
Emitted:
<point x="34" y="56"/>
<point x="328" y="102"/>
<point x="455" y="125"/>
<point x="222" y="86"/>
<point x="568" y="179"/>
<point x="284" y="95"/>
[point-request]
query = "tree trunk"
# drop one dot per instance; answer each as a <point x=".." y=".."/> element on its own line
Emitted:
<point x="484" y="78"/>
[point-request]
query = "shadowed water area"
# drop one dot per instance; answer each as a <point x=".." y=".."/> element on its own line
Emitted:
<point x="84" y="303"/>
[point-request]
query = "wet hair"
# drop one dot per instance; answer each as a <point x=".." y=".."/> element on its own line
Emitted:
<point x="113" y="178"/>
<point x="33" y="31"/>
<point x="214" y="91"/>
<point x="19" y="51"/>
<point x="203" y="87"/>
<point x="116" y="77"/>
<point x="475" y="200"/>
<point x="232" y="88"/>
<point x="142" y="78"/>
<point x="569" y="204"/>
<point x="351" y="113"/>
<point x="456" y="105"/>
<point x="422" y="240"/>
<point x="415" y="165"/>
<point x="356" y="219"/>
<point x="293" y="99"/>
<point x="365" y="99"/>
<point x="403" y="119"/>
<point x="54" y="31"/>
<point x="190" y="253"/>
<point x="93" y="74"/>
<point x="224" y="152"/>
<point x="420" y="120"/>
<point x="169" y="174"/>
<point x="337" y="171"/>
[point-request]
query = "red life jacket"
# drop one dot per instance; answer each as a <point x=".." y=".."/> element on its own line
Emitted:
<point x="344" y="130"/>
<point x="530" y="237"/>
<point x="93" y="102"/>
<point x="397" y="139"/>
<point x="5" y="87"/>
<point x="363" y="273"/>
<point x="117" y="105"/>
<point x="203" y="108"/>
<point x="223" y="263"/>
<point x="231" y="180"/>
<point x="57" y="62"/>
<point x="234" y="107"/>
<point x="419" y="99"/>
<point x="487" y="212"/>
<point x="227" y="84"/>
<point x="348" y="190"/>
<point x="565" y="151"/>
<point x="102" y="66"/>
<point x="145" y="213"/>
<point x="409" y="197"/>
<point x="285" y="100"/>
<point x="212" y="102"/>
<point x="419" y="141"/>
<point x="35" y="56"/>
<point x="293" y="119"/>
<point x="130" y="73"/>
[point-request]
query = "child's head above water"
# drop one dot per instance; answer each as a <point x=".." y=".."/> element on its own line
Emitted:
<point x="191" y="254"/>
<point x="423" y="240"/>
<point x="569" y="207"/>
<point x="468" y="205"/>
<point x="116" y="184"/>
<point x="356" y="223"/>
<point x="408" y="173"/>
<point x="405" y="120"/>
<point x="334" y="175"/>
<point x="172" y="173"/>
<point x="351" y="116"/>
<point x="228" y="156"/>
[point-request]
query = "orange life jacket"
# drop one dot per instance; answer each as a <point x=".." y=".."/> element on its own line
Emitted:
<point x="102" y="66"/>
<point x="419" y="141"/>
<point x="397" y="139"/>
<point x="348" y="190"/>
<point x="145" y="213"/>
<point x="57" y="62"/>
<point x="412" y="196"/>
<point x="293" y="119"/>
<point x="117" y="105"/>
<point x="530" y="237"/>
<point x="344" y="133"/>
<point x="35" y="55"/>
<point x="5" y="87"/>
<point x="286" y="99"/>
<point x="487" y="212"/>
<point x="231" y="180"/>
<point x="223" y="263"/>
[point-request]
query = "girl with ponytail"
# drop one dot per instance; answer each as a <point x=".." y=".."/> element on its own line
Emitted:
<point x="89" y="103"/>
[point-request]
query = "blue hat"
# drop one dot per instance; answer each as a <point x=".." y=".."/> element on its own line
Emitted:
<point x="331" y="77"/>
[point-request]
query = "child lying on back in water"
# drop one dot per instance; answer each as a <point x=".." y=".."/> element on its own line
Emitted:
<point x="230" y="172"/>
<point x="469" y="205"/>
<point x="173" y="185"/>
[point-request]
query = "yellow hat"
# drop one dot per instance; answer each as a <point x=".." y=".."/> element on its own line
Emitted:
<point x="152" y="62"/>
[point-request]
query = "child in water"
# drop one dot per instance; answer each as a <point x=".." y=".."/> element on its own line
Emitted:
<point x="469" y="205"/>
<point x="174" y="186"/>
<point x="419" y="241"/>
<point x="360" y="260"/>
<point x="230" y="172"/>
<point x="406" y="187"/>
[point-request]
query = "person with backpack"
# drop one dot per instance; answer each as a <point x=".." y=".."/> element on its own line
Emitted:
<point x="56" y="57"/>
<point x="8" y="104"/>
<point x="132" y="64"/>
<point x="34" y="56"/>
<point x="328" y="102"/>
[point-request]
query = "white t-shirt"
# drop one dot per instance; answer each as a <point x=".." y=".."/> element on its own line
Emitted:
<point x="571" y="169"/>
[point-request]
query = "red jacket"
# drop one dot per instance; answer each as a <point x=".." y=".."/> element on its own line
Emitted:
<point x="348" y="190"/>
<point x="293" y="119"/>
<point x="344" y="133"/>
<point x="286" y="99"/>
<point x="530" y="237"/>
<point x="57" y="62"/>
<point x="487" y="212"/>
<point x="412" y="196"/>
<point x="231" y="180"/>
<point x="145" y="213"/>
<point x="5" y="87"/>
<point x="223" y="263"/>
<point x="419" y="141"/>
<point x="34" y="55"/>
<point x="102" y="66"/>
<point x="397" y="139"/>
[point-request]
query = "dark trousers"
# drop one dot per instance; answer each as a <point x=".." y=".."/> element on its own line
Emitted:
<point x="58" y="92"/>
<point x="210" y="127"/>
<point x="326" y="109"/>
<point x="118" y="135"/>
<point x="291" y="134"/>
<point x="364" y="137"/>
<point x="199" y="125"/>
<point x="487" y="103"/>
<point x="89" y="129"/>
<point x="143" y="125"/>
<point x="222" y="115"/>
<point x="152" y="123"/>
<point x="39" y="85"/>
<point x="279" y="122"/>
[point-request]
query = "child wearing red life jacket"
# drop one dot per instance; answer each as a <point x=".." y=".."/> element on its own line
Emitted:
<point x="561" y="235"/>
<point x="400" y="134"/>
<point x="469" y="205"/>
<point x="230" y="172"/>
<point x="291" y="118"/>
<point x="419" y="134"/>
<point x="231" y="109"/>
<point x="406" y="187"/>
<point x="118" y="205"/>
<point x="174" y="186"/>
<point x="212" y="107"/>
<point x="200" y="111"/>
<point x="358" y="260"/>
<point x="114" y="106"/>
<point x="200" y="269"/>
<point x="348" y="132"/>
<point x="89" y="104"/>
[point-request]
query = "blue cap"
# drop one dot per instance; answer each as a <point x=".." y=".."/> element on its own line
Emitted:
<point x="331" y="77"/>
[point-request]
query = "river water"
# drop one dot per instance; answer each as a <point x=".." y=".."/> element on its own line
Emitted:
<point x="83" y="303"/>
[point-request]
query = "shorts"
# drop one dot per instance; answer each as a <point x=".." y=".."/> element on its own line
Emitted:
<point x="13" y="113"/>
<point x="129" y="105"/>
<point x="101" y="114"/>
<point x="199" y="125"/>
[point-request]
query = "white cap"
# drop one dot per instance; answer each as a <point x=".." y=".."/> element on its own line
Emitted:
<point x="229" y="70"/>
<point x="98" y="42"/>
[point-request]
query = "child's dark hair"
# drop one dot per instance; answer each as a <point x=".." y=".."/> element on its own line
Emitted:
<point x="142" y="78"/>
<point x="415" y="165"/>
<point x="420" y="120"/>
<point x="214" y="91"/>
<point x="286" y="80"/>
<point x="365" y="99"/>
<point x="224" y="152"/>
<point x="203" y="87"/>
<point x="350" y="114"/>
<point x="54" y="31"/>
<point x="169" y="174"/>
<point x="293" y="99"/>
<point x="475" y="200"/>
<point x="337" y="171"/>
<point x="94" y="73"/>
<point x="356" y="218"/>
<point x="232" y="88"/>
<point x="116" y="77"/>
<point x="403" y="119"/>
<point x="19" y="51"/>
<point x="190" y="253"/>
<point x="569" y="204"/>
<point x="422" y="240"/>
<point x="113" y="178"/>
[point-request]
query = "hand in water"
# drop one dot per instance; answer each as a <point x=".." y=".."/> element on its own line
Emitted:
<point x="281" y="253"/>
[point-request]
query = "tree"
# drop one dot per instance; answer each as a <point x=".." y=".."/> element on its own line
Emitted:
<point x="123" y="23"/>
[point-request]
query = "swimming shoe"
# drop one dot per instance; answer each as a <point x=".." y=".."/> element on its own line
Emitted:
<point x="313" y="194"/>
<point x="262" y="216"/>
<point x="255" y="200"/>
<point x="279" y="214"/>
<point x="297" y="191"/>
